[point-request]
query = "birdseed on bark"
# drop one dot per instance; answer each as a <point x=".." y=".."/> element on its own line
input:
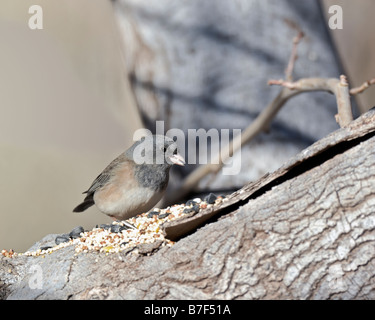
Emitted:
<point x="121" y="235"/>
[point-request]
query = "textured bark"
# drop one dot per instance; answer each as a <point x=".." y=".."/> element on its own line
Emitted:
<point x="306" y="233"/>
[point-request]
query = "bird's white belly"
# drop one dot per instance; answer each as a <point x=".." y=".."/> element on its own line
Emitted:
<point x="128" y="203"/>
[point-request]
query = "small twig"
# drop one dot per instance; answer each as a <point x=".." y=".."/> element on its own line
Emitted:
<point x="307" y="84"/>
<point x="335" y="86"/>
<point x="363" y="87"/>
<point x="293" y="56"/>
<point x="344" y="108"/>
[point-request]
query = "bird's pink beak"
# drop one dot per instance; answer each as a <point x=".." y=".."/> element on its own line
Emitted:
<point x="177" y="159"/>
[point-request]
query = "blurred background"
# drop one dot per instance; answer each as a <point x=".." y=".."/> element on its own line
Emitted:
<point x="73" y="93"/>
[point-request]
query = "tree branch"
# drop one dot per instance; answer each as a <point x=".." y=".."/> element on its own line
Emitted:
<point x="363" y="87"/>
<point x="293" y="56"/>
<point x="338" y="87"/>
<point x="335" y="86"/>
<point x="257" y="126"/>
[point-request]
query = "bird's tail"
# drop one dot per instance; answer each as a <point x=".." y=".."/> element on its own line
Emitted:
<point x="84" y="205"/>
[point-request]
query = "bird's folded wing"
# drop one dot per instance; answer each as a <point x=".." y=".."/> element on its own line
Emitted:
<point x="107" y="173"/>
<point x="100" y="181"/>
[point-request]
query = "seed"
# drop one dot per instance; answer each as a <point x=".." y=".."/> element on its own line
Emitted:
<point x="76" y="232"/>
<point x="194" y="209"/>
<point x="190" y="203"/>
<point x="61" y="239"/>
<point x="115" y="228"/>
<point x="152" y="213"/>
<point x="128" y="225"/>
<point x="164" y="215"/>
<point x="210" y="199"/>
<point x="45" y="248"/>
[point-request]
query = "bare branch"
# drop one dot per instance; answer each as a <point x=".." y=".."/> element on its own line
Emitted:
<point x="344" y="115"/>
<point x="308" y="84"/>
<point x="363" y="87"/>
<point x="338" y="87"/>
<point x="293" y="56"/>
<point x="257" y="126"/>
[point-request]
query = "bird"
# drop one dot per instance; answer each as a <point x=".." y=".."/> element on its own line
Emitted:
<point x="136" y="180"/>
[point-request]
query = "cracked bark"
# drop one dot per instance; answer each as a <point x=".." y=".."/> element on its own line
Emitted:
<point x="306" y="231"/>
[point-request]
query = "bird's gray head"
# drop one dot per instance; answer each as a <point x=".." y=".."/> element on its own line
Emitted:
<point x="155" y="149"/>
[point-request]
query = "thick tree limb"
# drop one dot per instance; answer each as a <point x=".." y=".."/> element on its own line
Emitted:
<point x="354" y="131"/>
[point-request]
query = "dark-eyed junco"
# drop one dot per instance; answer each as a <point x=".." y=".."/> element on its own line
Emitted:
<point x="136" y="180"/>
